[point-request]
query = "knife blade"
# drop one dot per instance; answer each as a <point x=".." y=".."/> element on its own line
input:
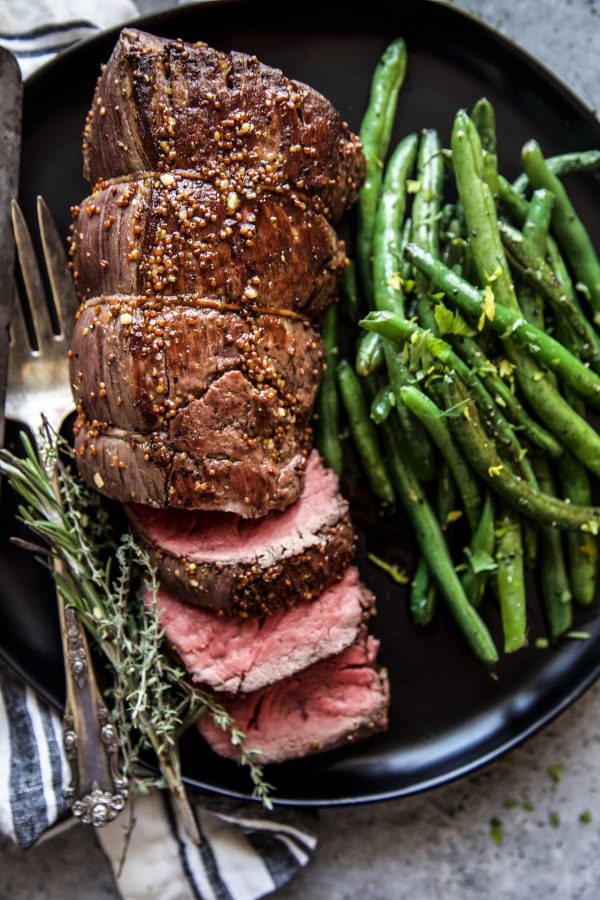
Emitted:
<point x="11" y="99"/>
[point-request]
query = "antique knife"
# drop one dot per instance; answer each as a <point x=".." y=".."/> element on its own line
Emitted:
<point x="11" y="94"/>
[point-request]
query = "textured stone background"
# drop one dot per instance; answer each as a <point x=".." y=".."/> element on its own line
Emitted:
<point x="437" y="845"/>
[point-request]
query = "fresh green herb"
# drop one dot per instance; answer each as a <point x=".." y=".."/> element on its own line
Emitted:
<point x="528" y="806"/>
<point x="585" y="817"/>
<point x="578" y="635"/>
<point x="542" y="643"/>
<point x="396" y="574"/>
<point x="556" y="773"/>
<point x="554" y="819"/>
<point x="480" y="561"/>
<point x="152" y="702"/>
<point x="496" y="831"/>
<point x="449" y="322"/>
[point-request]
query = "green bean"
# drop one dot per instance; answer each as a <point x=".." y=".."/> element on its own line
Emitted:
<point x="387" y="248"/>
<point x="553" y="574"/>
<point x="426" y="211"/>
<point x="432" y="418"/>
<point x="580" y="161"/>
<point x="537" y="222"/>
<point x="369" y="355"/>
<point x="481" y="549"/>
<point x="327" y="437"/>
<point x="539" y="274"/>
<point x="383" y="403"/>
<point x="348" y="291"/>
<point x="484" y="119"/>
<point x="568" y="227"/>
<point x="389" y="293"/>
<point x="423" y="594"/>
<point x="375" y="134"/>
<point x="510" y="579"/>
<point x="434" y="550"/>
<point x="405" y="234"/>
<point x="535" y="237"/>
<point x="502" y="395"/>
<point x="446" y="496"/>
<point x="515" y="205"/>
<point x="364" y="434"/>
<point x="490" y="261"/>
<point x="510" y="324"/>
<point x="480" y="211"/>
<point x="399" y="330"/>
<point x="483" y="456"/>
<point x="582" y="548"/>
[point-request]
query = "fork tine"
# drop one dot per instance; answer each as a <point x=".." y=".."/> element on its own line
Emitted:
<point x="61" y="283"/>
<point x="20" y="342"/>
<point x="34" y="286"/>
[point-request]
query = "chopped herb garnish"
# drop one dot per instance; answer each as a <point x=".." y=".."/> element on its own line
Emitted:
<point x="554" y="818"/>
<point x="585" y="817"/>
<point x="556" y="773"/>
<point x="496" y="831"/>
<point x="396" y="574"/>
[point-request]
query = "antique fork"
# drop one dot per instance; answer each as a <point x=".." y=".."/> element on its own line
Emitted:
<point x="38" y="383"/>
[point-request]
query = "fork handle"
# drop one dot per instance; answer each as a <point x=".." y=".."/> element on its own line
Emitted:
<point x="97" y="792"/>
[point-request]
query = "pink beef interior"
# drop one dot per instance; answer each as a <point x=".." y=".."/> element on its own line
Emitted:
<point x="232" y="654"/>
<point x="222" y="537"/>
<point x="315" y="710"/>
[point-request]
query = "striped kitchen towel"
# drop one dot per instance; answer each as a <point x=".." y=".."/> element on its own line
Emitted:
<point x="36" y="30"/>
<point x="245" y="853"/>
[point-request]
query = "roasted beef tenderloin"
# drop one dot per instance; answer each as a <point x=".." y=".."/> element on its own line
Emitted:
<point x="186" y="241"/>
<point x="252" y="567"/>
<point x="231" y="654"/>
<point x="337" y="701"/>
<point x="165" y="104"/>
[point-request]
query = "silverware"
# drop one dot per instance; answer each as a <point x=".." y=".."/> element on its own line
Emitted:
<point x="10" y="143"/>
<point x="38" y="382"/>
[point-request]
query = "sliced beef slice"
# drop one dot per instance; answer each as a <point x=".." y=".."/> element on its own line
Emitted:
<point x="162" y="104"/>
<point x="187" y="237"/>
<point x="233" y="655"/>
<point x="339" y="700"/>
<point x="252" y="567"/>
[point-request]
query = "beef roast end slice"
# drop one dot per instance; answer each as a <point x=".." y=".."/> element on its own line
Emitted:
<point x="161" y="104"/>
<point x="337" y="701"/>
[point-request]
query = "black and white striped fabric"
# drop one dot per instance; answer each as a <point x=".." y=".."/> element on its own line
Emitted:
<point x="245" y="853"/>
<point x="35" y="30"/>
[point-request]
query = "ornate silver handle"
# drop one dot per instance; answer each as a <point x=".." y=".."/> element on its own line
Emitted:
<point x="97" y="792"/>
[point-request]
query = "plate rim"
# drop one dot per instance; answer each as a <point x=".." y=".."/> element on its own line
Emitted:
<point x="508" y="45"/>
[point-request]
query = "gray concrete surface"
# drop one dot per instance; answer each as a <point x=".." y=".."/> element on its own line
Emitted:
<point x="438" y="845"/>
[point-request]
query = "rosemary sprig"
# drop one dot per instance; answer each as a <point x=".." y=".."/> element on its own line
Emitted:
<point x="152" y="702"/>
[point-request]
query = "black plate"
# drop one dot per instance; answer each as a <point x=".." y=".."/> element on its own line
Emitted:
<point x="448" y="715"/>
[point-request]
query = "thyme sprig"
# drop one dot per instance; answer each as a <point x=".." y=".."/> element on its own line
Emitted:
<point x="106" y="580"/>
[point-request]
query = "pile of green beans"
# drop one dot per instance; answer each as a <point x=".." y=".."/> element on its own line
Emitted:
<point x="469" y="358"/>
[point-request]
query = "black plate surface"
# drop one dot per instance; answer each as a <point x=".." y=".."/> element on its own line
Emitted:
<point x="448" y="715"/>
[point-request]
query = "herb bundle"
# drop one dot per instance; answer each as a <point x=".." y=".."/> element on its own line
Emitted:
<point x="104" y="578"/>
